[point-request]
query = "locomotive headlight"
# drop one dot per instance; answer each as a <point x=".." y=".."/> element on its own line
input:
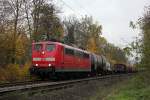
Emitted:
<point x="43" y="52"/>
<point x="49" y="65"/>
<point x="36" y="59"/>
<point x="50" y="59"/>
<point x="36" y="64"/>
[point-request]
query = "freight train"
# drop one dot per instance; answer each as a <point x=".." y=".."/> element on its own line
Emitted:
<point x="55" y="59"/>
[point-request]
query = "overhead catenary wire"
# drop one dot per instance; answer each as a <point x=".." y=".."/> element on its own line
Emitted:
<point x="83" y="8"/>
<point x="67" y="5"/>
<point x="80" y="6"/>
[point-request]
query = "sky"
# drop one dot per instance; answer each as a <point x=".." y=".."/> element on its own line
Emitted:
<point x="113" y="15"/>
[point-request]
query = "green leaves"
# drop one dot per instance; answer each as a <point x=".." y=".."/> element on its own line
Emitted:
<point x="144" y="24"/>
<point x="128" y="51"/>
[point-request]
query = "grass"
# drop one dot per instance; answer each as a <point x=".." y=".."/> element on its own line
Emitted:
<point x="136" y="88"/>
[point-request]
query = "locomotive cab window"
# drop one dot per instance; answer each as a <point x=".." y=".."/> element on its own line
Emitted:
<point x="50" y="47"/>
<point x="38" y="47"/>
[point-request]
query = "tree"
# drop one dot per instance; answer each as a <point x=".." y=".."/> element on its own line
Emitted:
<point x="13" y="13"/>
<point x="144" y="23"/>
<point x="71" y="25"/>
<point x="27" y="7"/>
<point x="12" y="31"/>
<point x="46" y="22"/>
<point x="84" y="33"/>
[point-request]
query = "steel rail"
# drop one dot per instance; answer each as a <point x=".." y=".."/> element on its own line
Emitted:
<point x="53" y="85"/>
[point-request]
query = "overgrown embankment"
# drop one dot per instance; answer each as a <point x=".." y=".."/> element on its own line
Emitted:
<point x="14" y="72"/>
<point x="136" y="88"/>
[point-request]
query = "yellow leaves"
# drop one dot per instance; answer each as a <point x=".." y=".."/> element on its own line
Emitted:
<point x="14" y="72"/>
<point x="92" y="47"/>
<point x="2" y="75"/>
<point x="20" y="47"/>
<point x="13" y="47"/>
<point x="113" y="61"/>
<point x="9" y="73"/>
<point x="25" y="71"/>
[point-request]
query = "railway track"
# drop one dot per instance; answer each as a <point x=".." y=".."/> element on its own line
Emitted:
<point x="51" y="85"/>
<point x="8" y="84"/>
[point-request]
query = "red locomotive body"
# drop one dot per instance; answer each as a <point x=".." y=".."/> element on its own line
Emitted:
<point x="54" y="57"/>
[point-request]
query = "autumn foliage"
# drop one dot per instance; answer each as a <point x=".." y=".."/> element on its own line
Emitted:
<point x="14" y="72"/>
<point x="24" y="21"/>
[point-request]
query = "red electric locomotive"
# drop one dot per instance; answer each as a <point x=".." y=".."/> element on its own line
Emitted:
<point x="54" y="58"/>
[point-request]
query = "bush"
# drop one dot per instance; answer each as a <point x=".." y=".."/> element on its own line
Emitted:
<point x="14" y="72"/>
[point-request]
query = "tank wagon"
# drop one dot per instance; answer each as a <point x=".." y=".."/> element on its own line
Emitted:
<point x="55" y="59"/>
